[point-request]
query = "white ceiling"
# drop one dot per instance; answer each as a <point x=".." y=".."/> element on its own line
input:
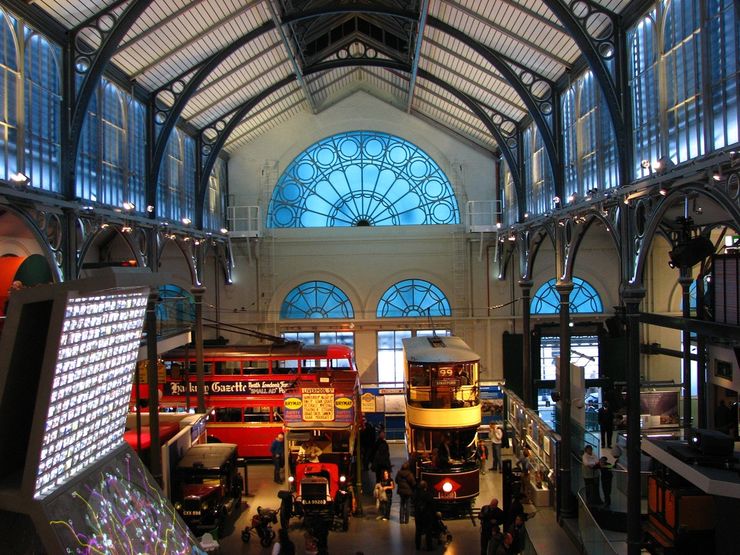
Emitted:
<point x="172" y="37"/>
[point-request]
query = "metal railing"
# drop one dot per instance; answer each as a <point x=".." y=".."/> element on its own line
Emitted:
<point x="593" y="539"/>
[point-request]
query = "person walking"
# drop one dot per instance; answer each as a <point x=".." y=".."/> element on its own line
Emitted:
<point x="590" y="469"/>
<point x="381" y="456"/>
<point x="424" y="511"/>
<point x="606" y="424"/>
<point x="497" y="437"/>
<point x="277" y="450"/>
<point x="406" y="483"/>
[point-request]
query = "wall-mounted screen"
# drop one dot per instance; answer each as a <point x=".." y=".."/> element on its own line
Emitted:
<point x="118" y="509"/>
<point x="92" y="380"/>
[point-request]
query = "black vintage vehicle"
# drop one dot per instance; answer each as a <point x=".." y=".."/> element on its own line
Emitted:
<point x="206" y="487"/>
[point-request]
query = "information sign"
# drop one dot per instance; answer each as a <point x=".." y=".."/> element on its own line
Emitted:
<point x="318" y="404"/>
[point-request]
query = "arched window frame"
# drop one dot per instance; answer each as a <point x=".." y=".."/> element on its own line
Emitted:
<point x="540" y="188"/>
<point x="362" y="178"/>
<point x="10" y="77"/>
<point x="546" y="299"/>
<point x="413" y="298"/>
<point x="42" y="112"/>
<point x="316" y="299"/>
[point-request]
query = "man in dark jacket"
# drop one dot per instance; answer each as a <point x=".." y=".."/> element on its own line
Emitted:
<point x="423" y="515"/>
<point x="367" y="442"/>
<point x="606" y="424"/>
<point x="406" y="483"/>
<point x="277" y="450"/>
<point x="381" y="456"/>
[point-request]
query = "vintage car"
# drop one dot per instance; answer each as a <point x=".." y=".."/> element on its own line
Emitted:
<point x="321" y="490"/>
<point x="207" y="488"/>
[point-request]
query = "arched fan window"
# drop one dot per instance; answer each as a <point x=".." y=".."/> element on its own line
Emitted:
<point x="316" y="299"/>
<point x="413" y="298"/>
<point x="362" y="178"/>
<point x="583" y="298"/>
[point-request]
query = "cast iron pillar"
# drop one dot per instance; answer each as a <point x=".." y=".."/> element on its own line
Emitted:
<point x="198" y="339"/>
<point x="567" y="500"/>
<point x="685" y="282"/>
<point x="526" y="286"/>
<point x="632" y="299"/>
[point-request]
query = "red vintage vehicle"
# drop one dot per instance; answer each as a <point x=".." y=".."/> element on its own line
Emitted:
<point x="321" y="424"/>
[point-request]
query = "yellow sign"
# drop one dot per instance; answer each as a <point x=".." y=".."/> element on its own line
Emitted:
<point x="318" y="404"/>
<point x="368" y="402"/>
<point x="143" y="367"/>
<point x="343" y="403"/>
<point x="293" y="403"/>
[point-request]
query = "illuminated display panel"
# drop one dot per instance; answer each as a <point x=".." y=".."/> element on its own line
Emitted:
<point x="86" y="418"/>
<point x="118" y="509"/>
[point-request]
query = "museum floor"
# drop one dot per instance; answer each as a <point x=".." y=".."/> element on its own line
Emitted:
<point x="371" y="536"/>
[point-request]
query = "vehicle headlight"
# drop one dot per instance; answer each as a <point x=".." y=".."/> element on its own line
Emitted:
<point x="342" y="478"/>
<point x="447" y="487"/>
<point x="291" y="479"/>
<point x="178" y="506"/>
<point x="204" y="505"/>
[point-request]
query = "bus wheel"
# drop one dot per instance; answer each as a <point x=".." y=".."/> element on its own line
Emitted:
<point x="346" y="508"/>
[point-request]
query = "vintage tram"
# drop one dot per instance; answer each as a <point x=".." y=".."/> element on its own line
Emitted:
<point x="443" y="414"/>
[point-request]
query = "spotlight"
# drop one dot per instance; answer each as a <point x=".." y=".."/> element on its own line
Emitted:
<point x="498" y="225"/>
<point x="717" y="175"/>
<point x="663" y="191"/>
<point x="645" y="164"/>
<point x="512" y="237"/>
<point x="663" y="164"/>
<point x="572" y="198"/>
<point x="150" y="208"/>
<point x="20" y="180"/>
<point x="187" y="221"/>
<point x="556" y="200"/>
<point x="224" y="230"/>
<point x="526" y="215"/>
<point x="128" y="206"/>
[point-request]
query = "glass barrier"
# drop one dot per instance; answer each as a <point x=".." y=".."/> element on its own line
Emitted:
<point x="592" y="537"/>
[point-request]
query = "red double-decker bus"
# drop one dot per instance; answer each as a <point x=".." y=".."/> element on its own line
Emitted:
<point x="245" y="386"/>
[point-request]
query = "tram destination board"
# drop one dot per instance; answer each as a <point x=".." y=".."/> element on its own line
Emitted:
<point x="318" y="404"/>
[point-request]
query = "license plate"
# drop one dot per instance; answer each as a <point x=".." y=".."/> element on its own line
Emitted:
<point x="191" y="513"/>
<point x="446" y="495"/>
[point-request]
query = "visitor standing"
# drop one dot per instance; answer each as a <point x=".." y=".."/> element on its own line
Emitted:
<point x="367" y="442"/>
<point x="605" y="470"/>
<point x="406" y="483"/>
<point x="381" y="456"/>
<point x="590" y="469"/>
<point x="277" y="450"/>
<point x="497" y="436"/>
<point x="386" y="484"/>
<point x="606" y="424"/>
<point x="489" y="516"/>
<point x="423" y="515"/>
<point x="481" y="454"/>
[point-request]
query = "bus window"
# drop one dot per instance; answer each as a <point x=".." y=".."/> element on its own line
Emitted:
<point x="173" y="369"/>
<point x="277" y="414"/>
<point x="227" y="367"/>
<point x="225" y="414"/>
<point x="286" y="366"/>
<point x="256" y="367"/>
<point x="207" y="368"/>
<point x="257" y="414"/>
<point x="418" y="375"/>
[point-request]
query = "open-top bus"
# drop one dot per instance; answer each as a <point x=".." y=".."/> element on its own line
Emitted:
<point x="443" y="407"/>
<point x="245" y="386"/>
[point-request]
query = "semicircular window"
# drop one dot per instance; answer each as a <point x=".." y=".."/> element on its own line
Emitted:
<point x="316" y="299"/>
<point x="362" y="178"/>
<point x="583" y="298"/>
<point x="413" y="298"/>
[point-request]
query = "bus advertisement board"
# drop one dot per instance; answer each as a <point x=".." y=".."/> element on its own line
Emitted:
<point x="318" y="404"/>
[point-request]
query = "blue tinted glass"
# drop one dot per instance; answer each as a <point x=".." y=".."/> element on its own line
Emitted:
<point x="413" y="298"/>
<point x="362" y="178"/>
<point x="316" y="299"/>
<point x="583" y="298"/>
